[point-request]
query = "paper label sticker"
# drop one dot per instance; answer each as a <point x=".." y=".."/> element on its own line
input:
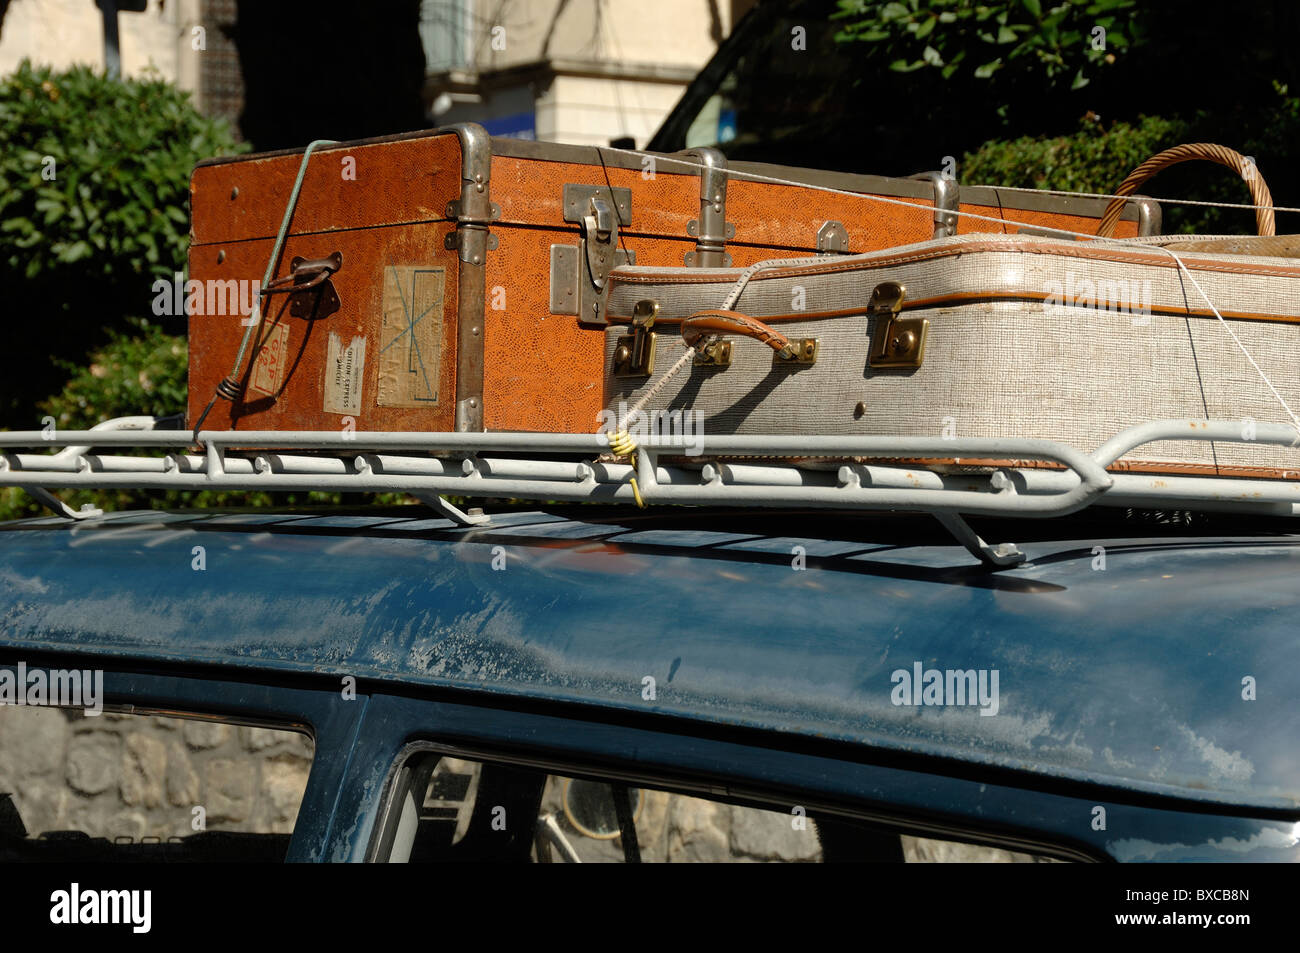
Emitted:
<point x="410" y="342"/>
<point x="344" y="370"/>
<point x="268" y="366"/>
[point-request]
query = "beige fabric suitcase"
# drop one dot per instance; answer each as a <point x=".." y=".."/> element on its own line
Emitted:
<point x="972" y="336"/>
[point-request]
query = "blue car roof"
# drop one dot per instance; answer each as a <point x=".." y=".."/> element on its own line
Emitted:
<point x="1131" y="665"/>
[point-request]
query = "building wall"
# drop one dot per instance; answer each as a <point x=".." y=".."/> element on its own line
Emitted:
<point x="593" y="70"/>
<point x="61" y="33"/>
<point x="588" y="110"/>
<point x="577" y="71"/>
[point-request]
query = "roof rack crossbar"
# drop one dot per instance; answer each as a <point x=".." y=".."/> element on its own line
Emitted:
<point x="528" y="466"/>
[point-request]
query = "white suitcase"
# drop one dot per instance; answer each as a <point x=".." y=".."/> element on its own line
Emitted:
<point x="972" y="336"/>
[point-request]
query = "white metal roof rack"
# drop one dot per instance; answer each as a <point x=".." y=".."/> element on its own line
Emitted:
<point x="574" y="467"/>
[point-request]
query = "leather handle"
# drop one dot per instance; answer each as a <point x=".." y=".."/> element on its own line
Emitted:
<point x="733" y="322"/>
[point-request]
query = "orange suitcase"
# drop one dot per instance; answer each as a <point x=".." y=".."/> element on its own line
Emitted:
<point x="446" y="280"/>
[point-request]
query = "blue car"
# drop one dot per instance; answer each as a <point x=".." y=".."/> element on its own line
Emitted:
<point x="590" y="682"/>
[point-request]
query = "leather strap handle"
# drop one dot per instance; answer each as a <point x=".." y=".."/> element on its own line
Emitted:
<point x="702" y="323"/>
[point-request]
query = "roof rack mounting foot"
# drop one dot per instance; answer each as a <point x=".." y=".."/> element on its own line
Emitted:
<point x="453" y="512"/>
<point x="1002" y="555"/>
<point x="50" y="501"/>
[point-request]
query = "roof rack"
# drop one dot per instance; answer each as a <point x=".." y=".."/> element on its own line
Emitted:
<point x="577" y="467"/>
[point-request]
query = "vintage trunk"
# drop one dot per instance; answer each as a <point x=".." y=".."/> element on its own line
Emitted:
<point x="467" y="294"/>
<point x="973" y="336"/>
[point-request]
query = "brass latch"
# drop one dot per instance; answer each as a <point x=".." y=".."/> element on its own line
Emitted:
<point x="713" y="354"/>
<point x="634" y="354"/>
<point x="803" y="351"/>
<point x="897" y="342"/>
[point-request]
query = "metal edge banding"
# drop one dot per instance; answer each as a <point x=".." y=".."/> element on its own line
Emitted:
<point x="472" y="240"/>
<point x="986" y="195"/>
<point x="991" y="196"/>
<point x="711" y="229"/>
<point x="1149" y="215"/>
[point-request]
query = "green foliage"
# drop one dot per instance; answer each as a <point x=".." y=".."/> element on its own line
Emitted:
<point x="94" y="188"/>
<point x="1000" y="42"/>
<point x="142" y="374"/>
<point x="1097" y="157"/>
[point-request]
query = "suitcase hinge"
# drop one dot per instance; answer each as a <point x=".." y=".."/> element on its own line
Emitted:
<point x="471" y="236"/>
<point x="897" y="342"/>
<point x="474" y="211"/>
<point x="711" y="230"/>
<point x="579" y="273"/>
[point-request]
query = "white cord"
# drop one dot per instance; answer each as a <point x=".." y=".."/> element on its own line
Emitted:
<point x="1201" y="291"/>
<point x="1104" y="195"/>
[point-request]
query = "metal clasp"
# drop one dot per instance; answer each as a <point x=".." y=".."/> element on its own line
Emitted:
<point x="578" y="272"/>
<point x="711" y="230"/>
<point x="897" y="342"/>
<point x="634" y="354"/>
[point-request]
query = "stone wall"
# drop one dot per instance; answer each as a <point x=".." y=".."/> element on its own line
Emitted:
<point x="116" y="775"/>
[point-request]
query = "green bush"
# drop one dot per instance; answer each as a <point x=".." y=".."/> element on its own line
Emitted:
<point x="94" y="189"/>
<point x="131" y="375"/>
<point x="1098" y="157"/>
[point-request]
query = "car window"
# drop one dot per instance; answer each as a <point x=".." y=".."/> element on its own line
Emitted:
<point x="445" y="808"/>
<point x="82" y="787"/>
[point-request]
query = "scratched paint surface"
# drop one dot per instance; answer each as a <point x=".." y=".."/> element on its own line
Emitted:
<point x="1129" y="676"/>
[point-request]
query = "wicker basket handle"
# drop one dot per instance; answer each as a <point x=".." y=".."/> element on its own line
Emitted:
<point x="1259" y="193"/>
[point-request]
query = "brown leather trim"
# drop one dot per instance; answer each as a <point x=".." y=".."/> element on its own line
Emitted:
<point x="1123" y="466"/>
<point x="731" y="322"/>
<point x="1080" y="249"/>
<point x="975" y="297"/>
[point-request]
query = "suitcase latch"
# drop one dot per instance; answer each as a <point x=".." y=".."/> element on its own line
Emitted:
<point x="578" y="274"/>
<point x="897" y="342"/>
<point x="634" y="354"/>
